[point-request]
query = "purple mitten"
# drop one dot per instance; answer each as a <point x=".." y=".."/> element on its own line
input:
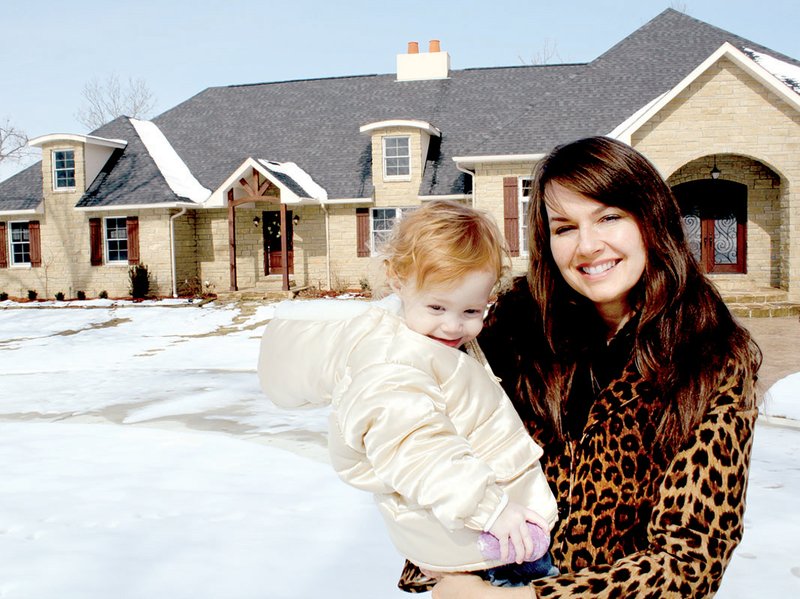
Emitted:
<point x="490" y="546"/>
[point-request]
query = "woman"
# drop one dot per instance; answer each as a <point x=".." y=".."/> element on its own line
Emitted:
<point x="629" y="370"/>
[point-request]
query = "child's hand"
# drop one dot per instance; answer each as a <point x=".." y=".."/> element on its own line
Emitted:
<point x="511" y="528"/>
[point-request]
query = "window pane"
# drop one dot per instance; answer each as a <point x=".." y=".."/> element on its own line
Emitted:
<point x="117" y="239"/>
<point x="396" y="156"/>
<point x="64" y="168"/>
<point x="20" y="243"/>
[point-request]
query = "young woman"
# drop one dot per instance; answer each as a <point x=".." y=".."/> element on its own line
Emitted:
<point x="626" y="366"/>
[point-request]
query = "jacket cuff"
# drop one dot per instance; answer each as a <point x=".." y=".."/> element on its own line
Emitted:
<point x="498" y="510"/>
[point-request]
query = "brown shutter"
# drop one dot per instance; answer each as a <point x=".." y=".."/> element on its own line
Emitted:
<point x="362" y="232"/>
<point x="133" y="239"/>
<point x="511" y="214"/>
<point x="3" y="246"/>
<point x="36" y="243"/>
<point x="95" y="241"/>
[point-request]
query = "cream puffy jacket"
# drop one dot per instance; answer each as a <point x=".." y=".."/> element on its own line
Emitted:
<point x="422" y="426"/>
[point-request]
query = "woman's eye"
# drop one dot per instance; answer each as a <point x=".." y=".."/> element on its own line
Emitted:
<point x="611" y="217"/>
<point x="563" y="229"/>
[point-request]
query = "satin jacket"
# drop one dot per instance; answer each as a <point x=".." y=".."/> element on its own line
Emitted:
<point x="424" y="427"/>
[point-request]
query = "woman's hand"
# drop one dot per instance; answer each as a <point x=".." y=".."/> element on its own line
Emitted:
<point x="468" y="586"/>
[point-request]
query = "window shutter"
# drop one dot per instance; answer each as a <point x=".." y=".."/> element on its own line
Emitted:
<point x="36" y="243"/>
<point x="96" y="241"/>
<point x="133" y="239"/>
<point x="511" y="214"/>
<point x="362" y="232"/>
<point x="3" y="246"/>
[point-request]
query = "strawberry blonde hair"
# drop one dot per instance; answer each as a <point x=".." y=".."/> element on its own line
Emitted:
<point x="441" y="242"/>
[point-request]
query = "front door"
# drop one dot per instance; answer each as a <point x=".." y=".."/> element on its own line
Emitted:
<point x="273" y="263"/>
<point x="714" y="216"/>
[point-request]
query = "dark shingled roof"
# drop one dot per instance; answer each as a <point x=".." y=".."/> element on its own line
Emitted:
<point x="23" y="191"/>
<point x="490" y="111"/>
<point x="130" y="177"/>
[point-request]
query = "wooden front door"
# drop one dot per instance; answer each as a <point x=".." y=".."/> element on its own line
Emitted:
<point x="273" y="263"/>
<point x="714" y="216"/>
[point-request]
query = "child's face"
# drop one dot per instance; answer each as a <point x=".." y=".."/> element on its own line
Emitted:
<point x="452" y="313"/>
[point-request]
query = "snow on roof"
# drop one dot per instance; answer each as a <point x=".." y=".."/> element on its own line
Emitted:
<point x="177" y="174"/>
<point x="784" y="71"/>
<point x="299" y="176"/>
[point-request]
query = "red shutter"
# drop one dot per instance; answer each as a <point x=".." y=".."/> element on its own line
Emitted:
<point x="95" y="241"/>
<point x="362" y="232"/>
<point x="133" y="239"/>
<point x="511" y="214"/>
<point x="3" y="242"/>
<point x="36" y="243"/>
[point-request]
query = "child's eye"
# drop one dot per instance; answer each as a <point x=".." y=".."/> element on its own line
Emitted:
<point x="435" y="307"/>
<point x="473" y="311"/>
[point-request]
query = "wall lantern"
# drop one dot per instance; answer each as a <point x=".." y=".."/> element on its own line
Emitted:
<point x="715" y="172"/>
<point x="256" y="221"/>
<point x="296" y="219"/>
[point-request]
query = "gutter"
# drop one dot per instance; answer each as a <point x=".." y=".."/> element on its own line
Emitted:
<point x="172" y="249"/>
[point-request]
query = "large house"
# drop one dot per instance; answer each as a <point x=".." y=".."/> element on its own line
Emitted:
<point x="295" y="184"/>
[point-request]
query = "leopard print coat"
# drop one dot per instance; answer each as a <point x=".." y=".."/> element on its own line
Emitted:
<point x="637" y="520"/>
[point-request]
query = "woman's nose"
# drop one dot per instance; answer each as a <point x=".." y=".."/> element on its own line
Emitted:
<point x="589" y="241"/>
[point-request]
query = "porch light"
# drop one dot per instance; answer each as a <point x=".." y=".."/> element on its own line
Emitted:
<point x="296" y="219"/>
<point x="715" y="172"/>
<point x="256" y="221"/>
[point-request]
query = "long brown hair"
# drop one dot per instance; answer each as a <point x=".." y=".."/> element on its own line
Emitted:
<point x="685" y="340"/>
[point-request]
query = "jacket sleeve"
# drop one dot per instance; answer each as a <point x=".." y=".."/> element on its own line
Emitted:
<point x="394" y="414"/>
<point x="696" y="524"/>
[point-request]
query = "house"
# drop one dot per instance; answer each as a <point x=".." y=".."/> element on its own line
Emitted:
<point x="296" y="183"/>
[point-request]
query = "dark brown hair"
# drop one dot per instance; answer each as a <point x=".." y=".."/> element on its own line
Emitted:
<point x="685" y="340"/>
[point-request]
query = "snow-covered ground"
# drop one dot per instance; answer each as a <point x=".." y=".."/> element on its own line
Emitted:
<point x="140" y="459"/>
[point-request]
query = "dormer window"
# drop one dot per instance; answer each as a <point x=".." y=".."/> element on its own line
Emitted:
<point x="397" y="157"/>
<point x="64" y="169"/>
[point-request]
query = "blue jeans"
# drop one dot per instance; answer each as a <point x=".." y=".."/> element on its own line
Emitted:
<point x="517" y="575"/>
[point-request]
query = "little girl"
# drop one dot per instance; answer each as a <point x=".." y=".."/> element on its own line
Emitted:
<point x="423" y="426"/>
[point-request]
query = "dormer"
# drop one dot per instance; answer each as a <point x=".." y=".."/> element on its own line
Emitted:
<point x="399" y="152"/>
<point x="422" y="66"/>
<point x="70" y="162"/>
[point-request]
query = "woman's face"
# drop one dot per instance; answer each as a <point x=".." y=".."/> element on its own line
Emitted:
<point x="598" y="249"/>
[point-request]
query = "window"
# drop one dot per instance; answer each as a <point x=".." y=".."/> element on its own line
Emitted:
<point x="382" y="222"/>
<point x="396" y="157"/>
<point x="524" y="202"/>
<point x="63" y="169"/>
<point x="20" y="244"/>
<point x="116" y="240"/>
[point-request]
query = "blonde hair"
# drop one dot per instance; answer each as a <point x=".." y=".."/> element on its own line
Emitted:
<point x="441" y="242"/>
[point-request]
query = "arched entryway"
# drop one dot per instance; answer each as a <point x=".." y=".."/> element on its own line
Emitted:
<point x="714" y="215"/>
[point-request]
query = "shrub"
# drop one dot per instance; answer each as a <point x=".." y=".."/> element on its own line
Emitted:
<point x="3" y="296"/>
<point x="139" y="281"/>
<point x="103" y="294"/>
<point x="32" y="295"/>
<point x="81" y="295"/>
<point x="60" y="296"/>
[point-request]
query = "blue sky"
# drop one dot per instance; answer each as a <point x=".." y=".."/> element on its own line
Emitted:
<point x="180" y="47"/>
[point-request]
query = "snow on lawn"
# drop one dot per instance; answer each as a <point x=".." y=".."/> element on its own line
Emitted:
<point x="141" y="460"/>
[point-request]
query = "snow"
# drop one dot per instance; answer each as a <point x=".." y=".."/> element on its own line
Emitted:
<point x="784" y="71"/>
<point x="177" y="174"/>
<point x="140" y="459"/>
<point x="301" y="177"/>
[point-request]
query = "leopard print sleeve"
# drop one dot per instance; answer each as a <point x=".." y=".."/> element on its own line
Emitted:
<point x="696" y="523"/>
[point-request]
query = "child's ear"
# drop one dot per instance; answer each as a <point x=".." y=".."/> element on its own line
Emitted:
<point x="395" y="284"/>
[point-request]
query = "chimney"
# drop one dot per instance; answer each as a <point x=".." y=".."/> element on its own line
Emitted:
<point x="423" y="66"/>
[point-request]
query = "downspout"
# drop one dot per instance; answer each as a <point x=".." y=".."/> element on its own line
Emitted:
<point x="327" y="243"/>
<point x="172" y="248"/>
<point x="472" y="176"/>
